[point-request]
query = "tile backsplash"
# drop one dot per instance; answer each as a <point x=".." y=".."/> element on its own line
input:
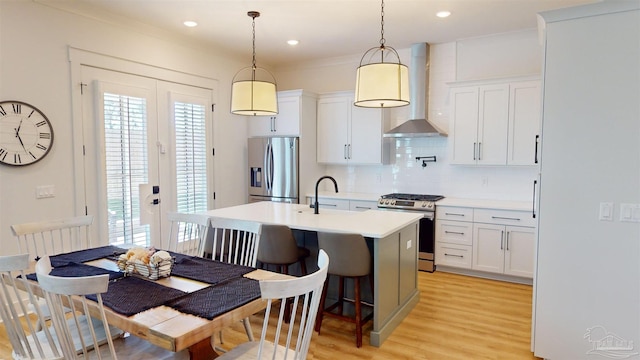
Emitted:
<point x="408" y="175"/>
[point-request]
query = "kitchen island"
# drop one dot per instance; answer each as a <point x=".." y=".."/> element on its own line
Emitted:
<point x="395" y="250"/>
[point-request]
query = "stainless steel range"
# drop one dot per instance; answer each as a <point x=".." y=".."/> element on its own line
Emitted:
<point x="426" y="237"/>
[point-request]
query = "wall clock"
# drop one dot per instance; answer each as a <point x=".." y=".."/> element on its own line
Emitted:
<point x="26" y="135"/>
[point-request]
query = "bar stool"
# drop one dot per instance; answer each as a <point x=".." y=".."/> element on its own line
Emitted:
<point x="350" y="258"/>
<point x="278" y="247"/>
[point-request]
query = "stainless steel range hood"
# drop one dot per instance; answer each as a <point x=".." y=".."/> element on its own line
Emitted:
<point x="417" y="125"/>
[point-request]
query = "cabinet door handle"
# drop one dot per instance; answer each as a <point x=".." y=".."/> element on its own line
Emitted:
<point x="273" y="123"/>
<point x="453" y="232"/>
<point x="363" y="207"/>
<point x="533" y="208"/>
<point x="454" y="214"/>
<point x="458" y="256"/>
<point x="505" y="218"/>
<point x="535" y="153"/>
<point x="344" y="151"/>
<point x="474" y="151"/>
<point x="349" y="151"/>
<point x="508" y="240"/>
<point x="502" y="240"/>
<point x="479" y="151"/>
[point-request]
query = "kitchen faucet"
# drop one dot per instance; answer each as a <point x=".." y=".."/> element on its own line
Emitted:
<point x="315" y="205"/>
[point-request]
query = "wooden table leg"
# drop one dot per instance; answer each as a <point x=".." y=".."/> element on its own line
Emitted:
<point x="202" y="350"/>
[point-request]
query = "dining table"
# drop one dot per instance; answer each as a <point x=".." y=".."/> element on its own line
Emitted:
<point x="181" y="311"/>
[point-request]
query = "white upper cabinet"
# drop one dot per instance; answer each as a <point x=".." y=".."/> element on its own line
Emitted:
<point x="524" y="122"/>
<point x="495" y="123"/>
<point x="285" y="123"/>
<point x="348" y="134"/>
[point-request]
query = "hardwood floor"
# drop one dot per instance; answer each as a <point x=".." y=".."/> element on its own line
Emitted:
<point x="458" y="317"/>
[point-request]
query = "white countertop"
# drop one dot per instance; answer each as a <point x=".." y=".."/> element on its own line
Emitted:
<point x="346" y="195"/>
<point x="370" y="223"/>
<point x="447" y="201"/>
<point x="487" y="204"/>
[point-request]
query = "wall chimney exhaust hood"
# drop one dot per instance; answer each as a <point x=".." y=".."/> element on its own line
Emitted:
<point x="417" y="125"/>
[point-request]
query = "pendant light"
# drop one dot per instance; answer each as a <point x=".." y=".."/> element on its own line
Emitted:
<point x="253" y="91"/>
<point x="382" y="84"/>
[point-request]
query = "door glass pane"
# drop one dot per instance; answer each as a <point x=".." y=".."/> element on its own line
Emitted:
<point x="191" y="157"/>
<point x="125" y="131"/>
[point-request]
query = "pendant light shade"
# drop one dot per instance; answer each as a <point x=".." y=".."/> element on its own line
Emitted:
<point x="381" y="79"/>
<point x="253" y="91"/>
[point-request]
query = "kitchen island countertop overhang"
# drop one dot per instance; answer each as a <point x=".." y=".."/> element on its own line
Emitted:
<point x="370" y="223"/>
<point x="395" y="250"/>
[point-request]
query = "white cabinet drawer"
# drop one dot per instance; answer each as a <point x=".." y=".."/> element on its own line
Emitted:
<point x="454" y="232"/>
<point x="453" y="255"/>
<point x="504" y="217"/>
<point x="362" y="205"/>
<point x="454" y="213"/>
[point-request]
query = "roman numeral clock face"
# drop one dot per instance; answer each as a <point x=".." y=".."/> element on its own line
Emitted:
<point x="26" y="135"/>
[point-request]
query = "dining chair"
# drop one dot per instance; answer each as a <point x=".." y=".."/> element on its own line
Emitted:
<point x="290" y="341"/>
<point x="54" y="236"/>
<point x="187" y="233"/>
<point x="236" y="242"/>
<point x="22" y="329"/>
<point x="71" y="292"/>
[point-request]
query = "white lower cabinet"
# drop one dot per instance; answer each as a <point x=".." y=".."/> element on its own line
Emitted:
<point x="503" y="249"/>
<point x="453" y="255"/>
<point x="344" y="204"/>
<point x="495" y="241"/>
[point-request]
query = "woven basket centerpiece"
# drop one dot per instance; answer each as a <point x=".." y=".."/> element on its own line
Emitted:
<point x="147" y="263"/>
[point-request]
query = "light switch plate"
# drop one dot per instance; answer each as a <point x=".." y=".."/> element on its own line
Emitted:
<point x="606" y="211"/>
<point x="630" y="212"/>
<point x="45" y="191"/>
<point x="409" y="244"/>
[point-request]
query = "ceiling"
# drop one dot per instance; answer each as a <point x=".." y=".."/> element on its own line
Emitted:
<point x="325" y="28"/>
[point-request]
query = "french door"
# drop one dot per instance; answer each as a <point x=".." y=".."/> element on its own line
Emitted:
<point x="146" y="144"/>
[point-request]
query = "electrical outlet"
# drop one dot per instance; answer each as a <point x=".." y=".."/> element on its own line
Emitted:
<point x="379" y="178"/>
<point x="485" y="181"/>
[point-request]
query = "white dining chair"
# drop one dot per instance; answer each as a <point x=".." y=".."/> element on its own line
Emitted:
<point x="290" y="340"/>
<point x="71" y="292"/>
<point x="187" y="233"/>
<point x="54" y="236"/>
<point x="236" y="242"/>
<point x="27" y="343"/>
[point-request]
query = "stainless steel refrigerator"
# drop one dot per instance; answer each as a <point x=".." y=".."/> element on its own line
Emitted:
<point x="273" y="169"/>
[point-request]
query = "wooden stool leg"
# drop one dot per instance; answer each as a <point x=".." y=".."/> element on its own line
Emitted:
<point x="303" y="267"/>
<point x="323" y="297"/>
<point x="358" y="312"/>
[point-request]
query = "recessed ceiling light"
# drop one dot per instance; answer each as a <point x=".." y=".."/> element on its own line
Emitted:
<point x="190" y="23"/>
<point x="443" y="14"/>
<point x="292" y="42"/>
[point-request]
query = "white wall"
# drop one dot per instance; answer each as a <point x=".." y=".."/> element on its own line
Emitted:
<point x="502" y="55"/>
<point x="36" y="70"/>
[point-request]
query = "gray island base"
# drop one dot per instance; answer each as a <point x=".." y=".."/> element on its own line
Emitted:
<point x="392" y="238"/>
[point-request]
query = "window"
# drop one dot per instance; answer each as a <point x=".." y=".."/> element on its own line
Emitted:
<point x="125" y="137"/>
<point x="191" y="162"/>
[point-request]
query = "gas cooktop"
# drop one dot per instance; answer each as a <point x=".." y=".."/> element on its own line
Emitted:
<point x="416" y="202"/>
